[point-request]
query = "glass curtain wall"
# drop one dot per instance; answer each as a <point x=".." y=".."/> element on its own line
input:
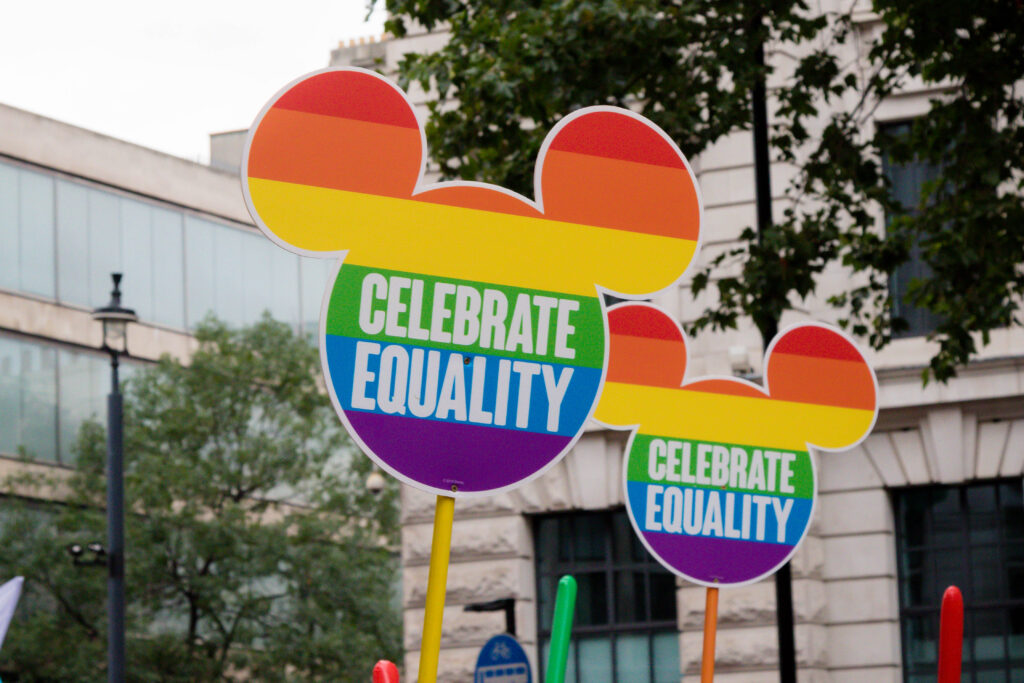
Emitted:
<point x="63" y="238"/>
<point x="46" y="393"/>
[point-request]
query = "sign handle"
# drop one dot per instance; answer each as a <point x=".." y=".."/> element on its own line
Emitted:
<point x="951" y="635"/>
<point x="437" y="581"/>
<point x="561" y="630"/>
<point x="707" y="662"/>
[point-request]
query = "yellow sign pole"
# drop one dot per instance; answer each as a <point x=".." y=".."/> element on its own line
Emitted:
<point x="437" y="582"/>
<point x="707" y="663"/>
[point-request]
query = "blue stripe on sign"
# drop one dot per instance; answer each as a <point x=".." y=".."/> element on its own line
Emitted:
<point x="684" y="511"/>
<point x="364" y="392"/>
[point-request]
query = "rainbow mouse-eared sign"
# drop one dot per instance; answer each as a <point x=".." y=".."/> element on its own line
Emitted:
<point x="463" y="336"/>
<point x="719" y="478"/>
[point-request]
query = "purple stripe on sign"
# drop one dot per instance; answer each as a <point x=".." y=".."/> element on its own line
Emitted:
<point x="430" y="452"/>
<point x="711" y="559"/>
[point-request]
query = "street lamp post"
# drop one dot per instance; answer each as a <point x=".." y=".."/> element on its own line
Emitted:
<point x="115" y="319"/>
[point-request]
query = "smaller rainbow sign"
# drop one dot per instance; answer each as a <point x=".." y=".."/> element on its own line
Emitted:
<point x="719" y="477"/>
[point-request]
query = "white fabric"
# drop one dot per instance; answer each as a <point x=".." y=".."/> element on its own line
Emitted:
<point x="9" y="594"/>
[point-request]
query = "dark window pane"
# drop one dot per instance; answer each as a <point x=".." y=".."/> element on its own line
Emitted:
<point x="1011" y="509"/>
<point x="546" y="589"/>
<point x="630" y="597"/>
<point x="987" y="635"/>
<point x="906" y="185"/>
<point x="663" y="596"/>
<point x="565" y="551"/>
<point x="1015" y="633"/>
<point x="912" y="576"/>
<point x="592" y="599"/>
<point x="985" y="573"/>
<point x="589" y="538"/>
<point x="547" y="545"/>
<point x="626" y="545"/>
<point x="1015" y="573"/>
<point x="921" y="642"/>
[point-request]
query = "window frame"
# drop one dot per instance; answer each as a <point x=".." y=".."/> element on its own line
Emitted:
<point x="930" y="609"/>
<point x="920" y="321"/>
<point x="608" y="567"/>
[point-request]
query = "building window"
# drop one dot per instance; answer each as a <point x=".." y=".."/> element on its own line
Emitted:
<point x="907" y="181"/>
<point x="46" y="392"/>
<point x="625" y="624"/>
<point x="971" y="537"/>
<point x="64" y="237"/>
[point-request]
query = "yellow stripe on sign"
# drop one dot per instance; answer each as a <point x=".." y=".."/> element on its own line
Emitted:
<point x="725" y="418"/>
<point x="483" y="246"/>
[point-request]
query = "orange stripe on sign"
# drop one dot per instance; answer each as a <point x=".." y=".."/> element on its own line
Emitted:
<point x="341" y="154"/>
<point x="726" y="386"/>
<point x="646" y="361"/>
<point x="825" y="381"/>
<point x="480" y="198"/>
<point x="625" y="195"/>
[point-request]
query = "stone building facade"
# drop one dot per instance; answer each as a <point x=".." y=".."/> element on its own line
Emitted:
<point x="932" y="497"/>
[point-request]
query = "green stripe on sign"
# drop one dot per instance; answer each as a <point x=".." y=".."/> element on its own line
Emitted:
<point x="700" y="464"/>
<point x="583" y="314"/>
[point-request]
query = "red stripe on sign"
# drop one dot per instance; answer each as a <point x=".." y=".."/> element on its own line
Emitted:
<point x="350" y="95"/>
<point x="643" y="321"/>
<point x="811" y="340"/>
<point x="618" y="136"/>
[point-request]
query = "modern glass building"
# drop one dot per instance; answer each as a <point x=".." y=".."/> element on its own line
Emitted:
<point x="64" y="229"/>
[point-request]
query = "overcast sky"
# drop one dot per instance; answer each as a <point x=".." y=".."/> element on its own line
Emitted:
<point x="165" y="74"/>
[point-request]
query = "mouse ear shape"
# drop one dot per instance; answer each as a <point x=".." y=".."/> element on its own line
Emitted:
<point x="619" y="173"/>
<point x="816" y="364"/>
<point x="347" y="130"/>
<point x="646" y="348"/>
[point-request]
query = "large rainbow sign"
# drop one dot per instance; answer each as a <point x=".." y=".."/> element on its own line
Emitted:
<point x="718" y="475"/>
<point x="464" y="337"/>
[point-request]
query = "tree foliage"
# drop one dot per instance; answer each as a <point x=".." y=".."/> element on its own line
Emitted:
<point x="253" y="546"/>
<point x="516" y="66"/>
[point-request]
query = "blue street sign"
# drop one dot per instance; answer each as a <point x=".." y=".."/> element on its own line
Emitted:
<point x="502" y="660"/>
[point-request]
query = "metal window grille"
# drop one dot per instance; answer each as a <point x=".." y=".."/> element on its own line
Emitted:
<point x="970" y="536"/>
<point x="625" y="627"/>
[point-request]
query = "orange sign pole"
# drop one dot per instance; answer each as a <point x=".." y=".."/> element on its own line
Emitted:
<point x="707" y="662"/>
